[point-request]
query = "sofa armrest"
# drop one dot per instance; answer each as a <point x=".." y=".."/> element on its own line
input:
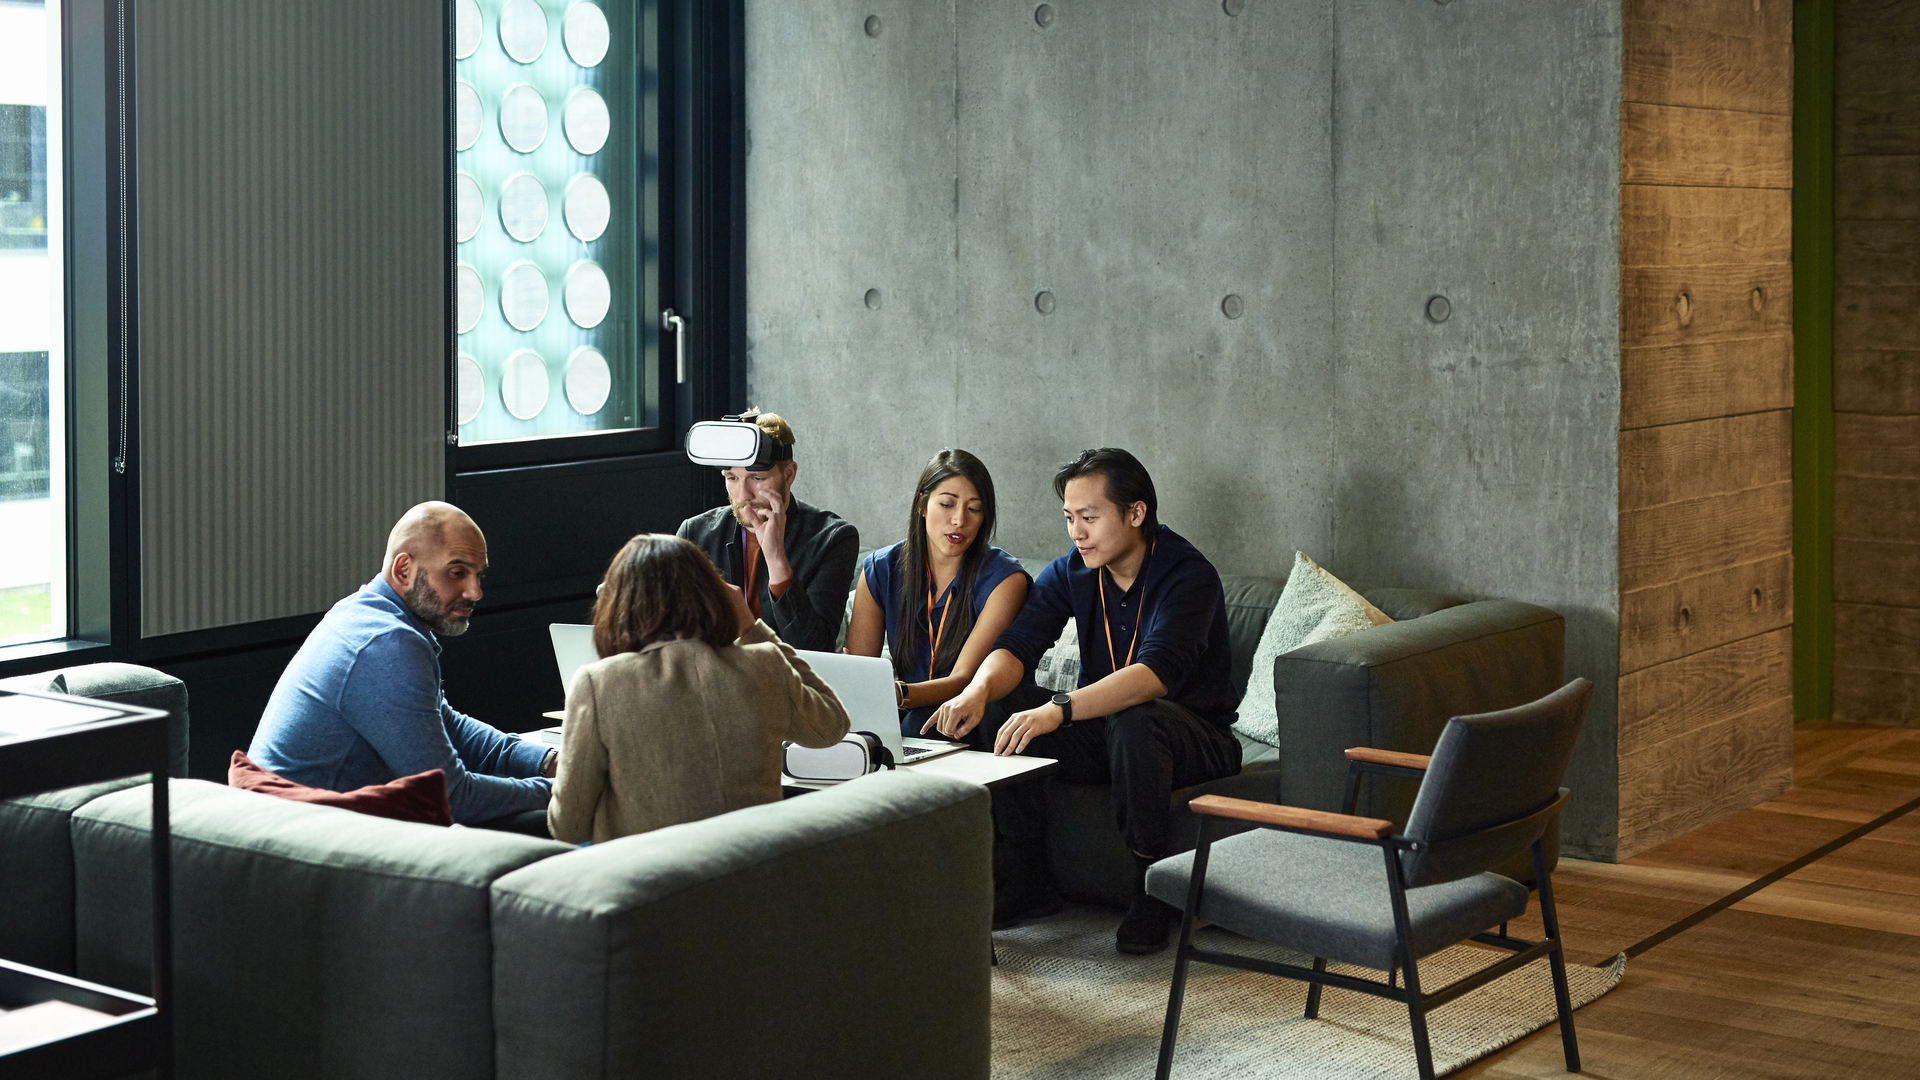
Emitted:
<point x="1394" y="687"/>
<point x="775" y="941"/>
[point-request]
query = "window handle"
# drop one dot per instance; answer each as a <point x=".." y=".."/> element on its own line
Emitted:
<point x="677" y="326"/>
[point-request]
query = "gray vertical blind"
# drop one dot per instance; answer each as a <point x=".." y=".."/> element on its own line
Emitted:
<point x="293" y="317"/>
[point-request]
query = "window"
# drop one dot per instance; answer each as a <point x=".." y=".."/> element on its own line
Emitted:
<point x="556" y="220"/>
<point x="33" y="563"/>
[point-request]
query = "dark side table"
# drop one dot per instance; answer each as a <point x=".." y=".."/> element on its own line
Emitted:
<point x="77" y="1029"/>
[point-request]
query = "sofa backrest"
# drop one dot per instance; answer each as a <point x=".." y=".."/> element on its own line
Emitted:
<point x="309" y="941"/>
<point x="841" y="933"/>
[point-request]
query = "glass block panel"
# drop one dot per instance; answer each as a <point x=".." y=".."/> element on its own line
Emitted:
<point x="556" y="217"/>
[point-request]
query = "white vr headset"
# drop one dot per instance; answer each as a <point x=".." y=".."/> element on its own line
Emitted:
<point x="734" y="442"/>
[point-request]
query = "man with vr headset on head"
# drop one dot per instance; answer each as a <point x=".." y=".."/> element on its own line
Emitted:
<point x="795" y="562"/>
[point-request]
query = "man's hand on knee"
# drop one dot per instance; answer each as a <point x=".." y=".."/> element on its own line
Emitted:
<point x="1023" y="727"/>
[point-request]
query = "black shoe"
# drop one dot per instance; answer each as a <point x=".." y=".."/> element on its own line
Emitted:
<point x="1023" y="886"/>
<point x="1145" y="929"/>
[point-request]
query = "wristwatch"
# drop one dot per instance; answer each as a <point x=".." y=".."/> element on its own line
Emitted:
<point x="1066" y="707"/>
<point x="550" y="763"/>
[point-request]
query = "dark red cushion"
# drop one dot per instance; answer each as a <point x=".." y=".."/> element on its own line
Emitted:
<point x="421" y="797"/>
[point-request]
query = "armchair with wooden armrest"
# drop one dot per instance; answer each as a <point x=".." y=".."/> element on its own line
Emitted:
<point x="1303" y="879"/>
<point x="1368" y="761"/>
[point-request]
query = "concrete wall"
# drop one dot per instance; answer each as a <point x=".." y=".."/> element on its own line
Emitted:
<point x="1332" y="166"/>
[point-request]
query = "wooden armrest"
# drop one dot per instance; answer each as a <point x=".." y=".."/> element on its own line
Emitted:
<point x="1292" y="817"/>
<point x="1367" y="755"/>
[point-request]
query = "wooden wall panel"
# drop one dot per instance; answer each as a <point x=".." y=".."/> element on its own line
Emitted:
<point x="1866" y="445"/>
<point x="1681" y="695"/>
<point x="1676" y="462"/>
<point x="1876" y="572"/>
<point x="1876" y="379"/>
<point x="1671" y="384"/>
<point x="1706" y="388"/>
<point x="1665" y="144"/>
<point x="1670" y="621"/>
<point x="1695" y="226"/>
<point x="1709" y="55"/>
<point x="1669" y="305"/>
<point x="1876" y="508"/>
<point x="1686" y="539"/>
<point x="1704" y="774"/>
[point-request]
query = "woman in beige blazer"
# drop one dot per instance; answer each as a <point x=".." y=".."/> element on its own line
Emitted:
<point x="684" y="716"/>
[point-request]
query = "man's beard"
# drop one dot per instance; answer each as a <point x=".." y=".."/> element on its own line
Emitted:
<point x="427" y="608"/>
<point x="743" y="512"/>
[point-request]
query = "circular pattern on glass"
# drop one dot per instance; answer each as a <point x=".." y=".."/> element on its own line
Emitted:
<point x="589" y="380"/>
<point x="523" y="30"/>
<point x="586" y="34"/>
<point x="587" y="208"/>
<point x="472" y="297"/>
<point x="523" y="296"/>
<point x="472" y="385"/>
<point x="523" y="118"/>
<point x="523" y="206"/>
<point x="524" y="385"/>
<point x="466" y="28"/>
<point x="466" y="115"/>
<point x="467" y="207"/>
<point x="587" y="120"/>
<point x="588" y="294"/>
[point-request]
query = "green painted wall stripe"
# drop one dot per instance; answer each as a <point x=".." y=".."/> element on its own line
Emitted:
<point x="1813" y="359"/>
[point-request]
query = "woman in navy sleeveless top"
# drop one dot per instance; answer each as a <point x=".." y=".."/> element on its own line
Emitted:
<point x="940" y="598"/>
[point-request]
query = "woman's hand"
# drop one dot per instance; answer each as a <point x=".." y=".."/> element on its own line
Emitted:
<point x="742" y="615"/>
<point x="960" y="715"/>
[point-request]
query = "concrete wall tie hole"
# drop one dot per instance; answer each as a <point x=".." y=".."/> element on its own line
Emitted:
<point x="1043" y="302"/>
<point x="1043" y="15"/>
<point x="873" y="26"/>
<point x="1439" y="309"/>
<point x="1758" y="300"/>
<point x="1231" y="307"/>
<point x="873" y="299"/>
<point x="1683" y="307"/>
<point x="1233" y="7"/>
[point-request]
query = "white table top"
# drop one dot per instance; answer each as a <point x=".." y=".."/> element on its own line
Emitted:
<point x="969" y="765"/>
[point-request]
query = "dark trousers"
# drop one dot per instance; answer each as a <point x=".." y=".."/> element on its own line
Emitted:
<point x="1145" y="752"/>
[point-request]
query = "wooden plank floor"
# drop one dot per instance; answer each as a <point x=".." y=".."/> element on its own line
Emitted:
<point x="1814" y="976"/>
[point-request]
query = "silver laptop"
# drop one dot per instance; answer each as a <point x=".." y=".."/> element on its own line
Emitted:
<point x="865" y="686"/>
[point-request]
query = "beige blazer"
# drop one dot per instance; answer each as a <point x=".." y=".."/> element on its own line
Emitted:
<point x="681" y="731"/>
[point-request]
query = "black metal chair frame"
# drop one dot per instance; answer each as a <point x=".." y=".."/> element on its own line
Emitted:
<point x="1418" y="1003"/>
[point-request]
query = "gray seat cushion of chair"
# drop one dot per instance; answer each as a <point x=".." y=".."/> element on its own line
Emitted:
<point x="310" y="941"/>
<point x="1329" y="897"/>
<point x="805" y="917"/>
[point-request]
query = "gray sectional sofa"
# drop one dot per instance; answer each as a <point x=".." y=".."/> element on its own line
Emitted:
<point x="791" y="940"/>
<point x="1392" y="687"/>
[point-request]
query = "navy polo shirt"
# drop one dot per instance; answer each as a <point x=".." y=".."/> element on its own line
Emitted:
<point x="1176" y="602"/>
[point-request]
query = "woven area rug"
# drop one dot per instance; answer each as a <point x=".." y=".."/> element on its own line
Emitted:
<point x="1066" y="1005"/>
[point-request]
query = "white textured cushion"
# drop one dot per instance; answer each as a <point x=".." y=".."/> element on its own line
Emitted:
<point x="1314" y="606"/>
<point x="1059" y="667"/>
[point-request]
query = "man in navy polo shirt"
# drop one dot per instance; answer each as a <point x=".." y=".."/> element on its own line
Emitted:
<point x="1154" y="707"/>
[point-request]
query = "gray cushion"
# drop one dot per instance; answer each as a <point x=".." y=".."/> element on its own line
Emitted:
<point x="1329" y="897"/>
<point x="839" y="933"/>
<point x="36" y="877"/>
<point x="309" y="941"/>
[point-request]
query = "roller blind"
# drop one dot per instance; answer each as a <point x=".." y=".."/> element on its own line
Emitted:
<point x="293" y="325"/>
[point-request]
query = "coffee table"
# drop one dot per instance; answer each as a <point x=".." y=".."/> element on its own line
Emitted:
<point x="973" y="766"/>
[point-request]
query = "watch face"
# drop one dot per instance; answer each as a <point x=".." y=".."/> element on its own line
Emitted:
<point x="1061" y="700"/>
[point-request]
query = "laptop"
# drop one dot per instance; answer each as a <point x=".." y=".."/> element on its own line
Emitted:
<point x="864" y="685"/>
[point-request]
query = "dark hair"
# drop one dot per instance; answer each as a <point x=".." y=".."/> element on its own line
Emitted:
<point x="904" y="642"/>
<point x="659" y="588"/>
<point x="1127" y="481"/>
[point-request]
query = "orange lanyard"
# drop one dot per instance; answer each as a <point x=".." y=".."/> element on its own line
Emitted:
<point x="933" y="634"/>
<point x="1139" y="621"/>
